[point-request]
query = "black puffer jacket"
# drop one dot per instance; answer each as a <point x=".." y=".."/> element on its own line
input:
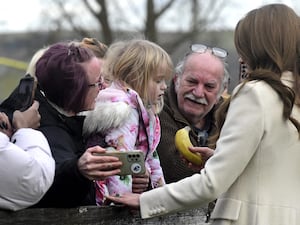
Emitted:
<point x="64" y="134"/>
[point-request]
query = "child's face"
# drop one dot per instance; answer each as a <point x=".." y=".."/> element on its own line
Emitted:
<point x="156" y="88"/>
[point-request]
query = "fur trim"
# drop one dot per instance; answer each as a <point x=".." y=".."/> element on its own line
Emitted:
<point x="105" y="116"/>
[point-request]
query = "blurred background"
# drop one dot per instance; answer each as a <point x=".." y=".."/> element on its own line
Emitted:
<point x="26" y="26"/>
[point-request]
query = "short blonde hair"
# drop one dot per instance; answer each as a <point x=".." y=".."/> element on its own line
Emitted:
<point x="32" y="64"/>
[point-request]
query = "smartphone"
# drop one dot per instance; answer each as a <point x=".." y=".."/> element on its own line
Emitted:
<point x="21" y="98"/>
<point x="133" y="162"/>
<point x="26" y="91"/>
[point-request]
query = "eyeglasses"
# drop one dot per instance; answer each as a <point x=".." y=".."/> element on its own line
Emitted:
<point x="98" y="84"/>
<point x="200" y="48"/>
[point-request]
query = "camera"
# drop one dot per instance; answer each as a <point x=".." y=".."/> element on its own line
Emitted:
<point x="132" y="161"/>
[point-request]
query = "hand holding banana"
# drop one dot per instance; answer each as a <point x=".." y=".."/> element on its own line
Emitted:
<point x="183" y="142"/>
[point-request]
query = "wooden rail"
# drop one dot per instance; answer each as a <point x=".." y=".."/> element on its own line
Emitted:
<point x="91" y="215"/>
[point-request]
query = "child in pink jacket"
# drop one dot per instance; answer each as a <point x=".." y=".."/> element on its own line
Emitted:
<point x="139" y="69"/>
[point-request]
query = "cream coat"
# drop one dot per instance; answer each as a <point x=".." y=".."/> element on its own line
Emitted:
<point x="254" y="173"/>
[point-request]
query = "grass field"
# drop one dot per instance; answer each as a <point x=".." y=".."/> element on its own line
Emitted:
<point x="8" y="83"/>
<point x="11" y="72"/>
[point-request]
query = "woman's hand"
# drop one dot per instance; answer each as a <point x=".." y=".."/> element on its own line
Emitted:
<point x="29" y="118"/>
<point x="96" y="167"/>
<point x="140" y="183"/>
<point x="5" y="126"/>
<point x="130" y="199"/>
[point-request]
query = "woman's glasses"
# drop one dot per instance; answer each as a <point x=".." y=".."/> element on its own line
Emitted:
<point x="98" y="84"/>
<point x="200" y="48"/>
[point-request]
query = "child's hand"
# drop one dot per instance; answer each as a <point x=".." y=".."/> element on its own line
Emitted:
<point x="140" y="183"/>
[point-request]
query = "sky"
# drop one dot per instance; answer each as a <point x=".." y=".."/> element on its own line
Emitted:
<point x="20" y="16"/>
<point x="233" y="15"/>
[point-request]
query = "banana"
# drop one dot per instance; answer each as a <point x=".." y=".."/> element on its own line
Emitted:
<point x="183" y="142"/>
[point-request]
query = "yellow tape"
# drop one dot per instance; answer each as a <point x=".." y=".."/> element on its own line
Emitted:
<point x="17" y="64"/>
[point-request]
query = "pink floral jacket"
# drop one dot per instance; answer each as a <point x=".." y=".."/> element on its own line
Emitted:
<point x="141" y="130"/>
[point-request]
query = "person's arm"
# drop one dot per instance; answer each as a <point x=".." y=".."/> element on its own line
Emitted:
<point x="235" y="148"/>
<point x="31" y="157"/>
<point x="75" y="173"/>
<point x="29" y="162"/>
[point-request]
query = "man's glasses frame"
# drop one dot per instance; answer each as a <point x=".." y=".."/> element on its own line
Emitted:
<point x="201" y="48"/>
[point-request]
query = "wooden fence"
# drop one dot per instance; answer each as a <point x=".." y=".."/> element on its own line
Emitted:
<point x="92" y="215"/>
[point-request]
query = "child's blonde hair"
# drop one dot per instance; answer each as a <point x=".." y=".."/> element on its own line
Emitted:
<point x="135" y="62"/>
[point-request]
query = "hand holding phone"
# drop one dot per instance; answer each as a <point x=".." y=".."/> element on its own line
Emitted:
<point x="30" y="118"/>
<point x="132" y="161"/>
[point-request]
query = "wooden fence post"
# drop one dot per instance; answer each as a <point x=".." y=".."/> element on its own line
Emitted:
<point x="92" y="215"/>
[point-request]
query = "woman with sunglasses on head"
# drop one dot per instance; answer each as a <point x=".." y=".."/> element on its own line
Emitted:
<point x="254" y="171"/>
<point x="68" y="82"/>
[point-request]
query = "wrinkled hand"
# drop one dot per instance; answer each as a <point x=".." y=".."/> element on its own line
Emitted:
<point x="97" y="167"/>
<point x="30" y="118"/>
<point x="205" y="153"/>
<point x="5" y="126"/>
<point x="140" y="183"/>
<point x="131" y="200"/>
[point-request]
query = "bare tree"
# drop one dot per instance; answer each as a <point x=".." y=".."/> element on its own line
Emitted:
<point x="193" y="15"/>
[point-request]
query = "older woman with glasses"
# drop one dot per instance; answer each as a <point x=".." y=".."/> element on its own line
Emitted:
<point x="68" y="82"/>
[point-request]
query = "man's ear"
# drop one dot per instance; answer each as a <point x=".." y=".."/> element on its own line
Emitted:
<point x="176" y="82"/>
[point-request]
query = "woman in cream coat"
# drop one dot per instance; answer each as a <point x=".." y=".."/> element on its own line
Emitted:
<point x="254" y="171"/>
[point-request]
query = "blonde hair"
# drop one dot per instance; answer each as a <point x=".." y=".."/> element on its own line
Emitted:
<point x="98" y="48"/>
<point x="32" y="64"/>
<point x="135" y="62"/>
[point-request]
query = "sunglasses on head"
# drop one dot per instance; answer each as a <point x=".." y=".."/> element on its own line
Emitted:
<point x="200" y="48"/>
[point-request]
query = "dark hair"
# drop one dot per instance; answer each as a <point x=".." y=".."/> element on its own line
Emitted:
<point x="62" y="76"/>
<point x="268" y="40"/>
